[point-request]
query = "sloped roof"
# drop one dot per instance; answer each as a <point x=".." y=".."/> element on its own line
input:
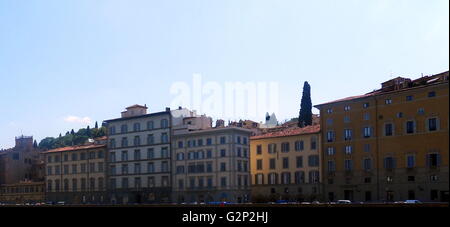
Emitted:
<point x="293" y="131"/>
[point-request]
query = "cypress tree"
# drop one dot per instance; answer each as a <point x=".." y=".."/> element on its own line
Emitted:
<point x="72" y="132"/>
<point x="96" y="124"/>
<point x="305" y="115"/>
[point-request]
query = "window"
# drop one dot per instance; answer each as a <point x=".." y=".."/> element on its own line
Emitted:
<point x="223" y="153"/>
<point x="112" y="183"/>
<point x="164" y="123"/>
<point x="346" y="119"/>
<point x="433" y="160"/>
<point x="348" y="150"/>
<point x="347" y="134"/>
<point x="258" y="149"/>
<point x="200" y="142"/>
<point x="285" y="178"/>
<point x="150" y="139"/>
<point x="313" y="143"/>
<point x="74" y="157"/>
<point x="91" y="167"/>
<point x="124" y="169"/>
<point x="74" y="185"/>
<point x="421" y="111"/>
<point x="150" y="125"/>
<point x="208" y="141"/>
<point x="367" y="132"/>
<point x="389" y="163"/>
<point x="313" y="160"/>
<point x="180" y="144"/>
<point x="410" y="126"/>
<point x="329" y="111"/>
<point x="434" y="178"/>
<point x="223" y="181"/>
<point x="299" y="177"/>
<point x="137" y="127"/>
<point x="329" y="121"/>
<point x="209" y="167"/>
<point x="285" y="163"/>
<point x="165" y="152"/>
<point x="366" y="147"/>
<point x="180" y="169"/>
<point x="150" y="153"/>
<point x="151" y="182"/>
<point x="272" y="178"/>
<point x="208" y="153"/>
<point x="410" y="161"/>
<point x="124" y="156"/>
<point x="112" y="143"/>
<point x="112" y="130"/>
<point x="348" y="164"/>
<point x="313" y="177"/>
<point x="272" y="148"/>
<point x="124" y="129"/>
<point x="259" y="164"/>
<point x="223" y="166"/>
<point x="222" y="140"/>
<point x="346" y="108"/>
<point x="164" y="138"/>
<point x="367" y="164"/>
<point x="112" y="170"/>
<point x="164" y="166"/>
<point x="411" y="178"/>
<point x="330" y="136"/>
<point x="74" y="169"/>
<point x="388" y="129"/>
<point x="137" y="154"/>
<point x="150" y="167"/>
<point x="285" y="147"/>
<point x="431" y="94"/>
<point x="137" y="168"/>
<point x="299" y="146"/>
<point x="365" y="105"/>
<point x="409" y="98"/>
<point x="137" y="182"/>
<point x="432" y="124"/>
<point x="299" y="162"/>
<point x="331" y="151"/>
<point x="331" y="166"/>
<point x="272" y="163"/>
<point x="399" y="114"/>
<point x="137" y="141"/>
<point x="124" y="142"/>
<point x="366" y="116"/>
<point x="259" y="178"/>
<point x="388" y="101"/>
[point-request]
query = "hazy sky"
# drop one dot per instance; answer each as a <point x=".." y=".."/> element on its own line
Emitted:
<point x="66" y="63"/>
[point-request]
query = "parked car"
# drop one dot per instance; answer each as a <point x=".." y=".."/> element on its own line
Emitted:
<point x="344" y="201"/>
<point x="412" y="201"/>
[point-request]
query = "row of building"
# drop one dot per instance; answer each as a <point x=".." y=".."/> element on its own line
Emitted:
<point x="387" y="145"/>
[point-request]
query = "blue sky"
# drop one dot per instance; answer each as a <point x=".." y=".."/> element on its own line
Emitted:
<point x="90" y="59"/>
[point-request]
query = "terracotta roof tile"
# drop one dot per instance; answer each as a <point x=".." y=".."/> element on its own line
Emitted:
<point x="74" y="148"/>
<point x="289" y="132"/>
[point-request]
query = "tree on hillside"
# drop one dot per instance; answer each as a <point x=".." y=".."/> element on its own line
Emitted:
<point x="88" y="131"/>
<point x="305" y="115"/>
<point x="72" y="132"/>
<point x="35" y="145"/>
<point x="96" y="125"/>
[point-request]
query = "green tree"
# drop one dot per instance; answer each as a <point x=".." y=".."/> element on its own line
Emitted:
<point x="305" y="115"/>
<point x="96" y="124"/>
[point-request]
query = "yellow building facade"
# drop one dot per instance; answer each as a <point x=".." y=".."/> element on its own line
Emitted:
<point x="285" y="165"/>
<point x="76" y="174"/>
<point x="390" y="144"/>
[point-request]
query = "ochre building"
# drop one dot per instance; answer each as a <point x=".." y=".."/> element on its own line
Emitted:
<point x="390" y="144"/>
